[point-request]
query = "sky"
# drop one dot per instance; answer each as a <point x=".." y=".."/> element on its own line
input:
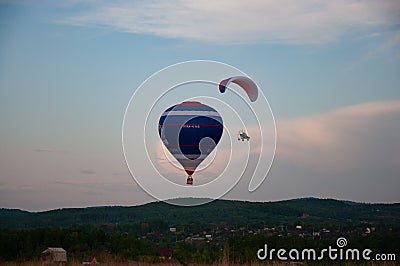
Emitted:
<point x="329" y="69"/>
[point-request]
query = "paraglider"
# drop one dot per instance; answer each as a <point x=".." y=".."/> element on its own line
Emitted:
<point x="249" y="87"/>
<point x="245" y="83"/>
<point x="190" y="131"/>
<point x="242" y="135"/>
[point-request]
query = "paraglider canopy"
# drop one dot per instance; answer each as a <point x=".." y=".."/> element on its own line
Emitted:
<point x="244" y="82"/>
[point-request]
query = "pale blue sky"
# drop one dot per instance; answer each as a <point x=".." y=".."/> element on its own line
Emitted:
<point x="67" y="72"/>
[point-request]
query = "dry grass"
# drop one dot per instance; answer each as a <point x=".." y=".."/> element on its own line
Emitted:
<point x="76" y="263"/>
<point x="174" y="263"/>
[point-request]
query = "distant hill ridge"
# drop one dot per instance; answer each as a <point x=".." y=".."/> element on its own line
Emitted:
<point x="218" y="212"/>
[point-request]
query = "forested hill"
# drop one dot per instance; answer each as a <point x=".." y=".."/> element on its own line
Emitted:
<point x="235" y="213"/>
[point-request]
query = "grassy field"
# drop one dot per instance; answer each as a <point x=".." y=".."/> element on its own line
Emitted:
<point x="137" y="263"/>
<point x="105" y="258"/>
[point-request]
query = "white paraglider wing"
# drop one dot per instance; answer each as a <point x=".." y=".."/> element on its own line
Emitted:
<point x="244" y="82"/>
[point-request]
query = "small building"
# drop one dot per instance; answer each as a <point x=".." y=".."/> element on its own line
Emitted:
<point x="54" y="255"/>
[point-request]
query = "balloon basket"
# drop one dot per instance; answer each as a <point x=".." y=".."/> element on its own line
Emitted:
<point x="189" y="180"/>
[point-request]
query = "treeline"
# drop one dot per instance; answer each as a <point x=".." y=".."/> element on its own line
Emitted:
<point x="318" y="211"/>
<point x="81" y="242"/>
<point x="238" y="229"/>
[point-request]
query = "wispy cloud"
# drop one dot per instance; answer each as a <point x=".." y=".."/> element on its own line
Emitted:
<point x="88" y="172"/>
<point x="226" y="21"/>
<point x="388" y="47"/>
<point x="21" y="188"/>
<point x="43" y="150"/>
<point x="94" y="183"/>
<point x="50" y="150"/>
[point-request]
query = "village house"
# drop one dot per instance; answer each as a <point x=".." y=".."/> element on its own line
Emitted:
<point x="54" y="255"/>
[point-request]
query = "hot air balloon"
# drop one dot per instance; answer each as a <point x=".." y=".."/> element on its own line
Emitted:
<point x="246" y="83"/>
<point x="190" y="131"/>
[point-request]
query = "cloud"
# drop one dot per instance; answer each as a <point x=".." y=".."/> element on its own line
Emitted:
<point x="393" y="45"/>
<point x="348" y="153"/>
<point x="91" y="182"/>
<point x="43" y="150"/>
<point x="345" y="134"/>
<point x="352" y="152"/>
<point x="20" y="188"/>
<point x="389" y="47"/>
<point x="254" y="21"/>
<point x="88" y="172"/>
<point x="95" y="185"/>
<point x="50" y="150"/>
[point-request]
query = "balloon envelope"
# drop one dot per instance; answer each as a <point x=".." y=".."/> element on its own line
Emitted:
<point x="190" y="131"/>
